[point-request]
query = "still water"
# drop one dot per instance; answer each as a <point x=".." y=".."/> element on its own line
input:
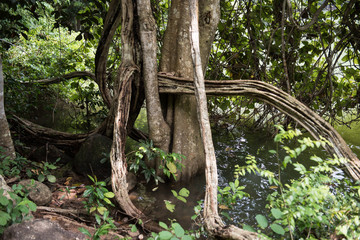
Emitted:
<point x="231" y="148"/>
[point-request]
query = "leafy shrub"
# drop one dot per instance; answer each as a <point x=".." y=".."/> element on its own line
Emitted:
<point x="170" y="162"/>
<point x="16" y="209"/>
<point x="98" y="196"/>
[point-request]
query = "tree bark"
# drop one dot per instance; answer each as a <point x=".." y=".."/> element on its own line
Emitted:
<point x="180" y="111"/>
<point x="272" y="95"/>
<point x="5" y="136"/>
<point x="213" y="222"/>
<point x="159" y="130"/>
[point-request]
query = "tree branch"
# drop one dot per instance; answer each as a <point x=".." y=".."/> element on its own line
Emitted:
<point x="53" y="80"/>
<point x="272" y="95"/>
<point x="313" y="20"/>
<point x="111" y="23"/>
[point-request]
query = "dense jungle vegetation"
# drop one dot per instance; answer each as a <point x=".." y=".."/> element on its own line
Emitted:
<point x="122" y="69"/>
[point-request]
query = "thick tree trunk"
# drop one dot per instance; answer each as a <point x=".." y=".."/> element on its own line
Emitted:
<point x="181" y="112"/>
<point x="5" y="137"/>
<point x="159" y="130"/>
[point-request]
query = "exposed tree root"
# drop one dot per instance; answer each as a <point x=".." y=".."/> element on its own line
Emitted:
<point x="272" y="95"/>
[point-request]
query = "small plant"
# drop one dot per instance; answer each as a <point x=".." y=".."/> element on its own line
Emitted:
<point x="43" y="171"/>
<point x="318" y="205"/>
<point x="228" y="196"/>
<point x="183" y="193"/>
<point x="98" y="196"/>
<point x="13" y="167"/>
<point x="170" y="162"/>
<point x="104" y="225"/>
<point x="174" y="231"/>
<point x="16" y="209"/>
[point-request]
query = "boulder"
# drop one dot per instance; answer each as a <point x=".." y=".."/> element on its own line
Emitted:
<point x="50" y="153"/>
<point x="91" y="152"/>
<point x="4" y="186"/>
<point x="40" y="229"/>
<point x="39" y="193"/>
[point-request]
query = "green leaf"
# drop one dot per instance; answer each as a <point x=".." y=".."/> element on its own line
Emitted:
<point x="169" y="206"/>
<point x="32" y="206"/>
<point x="186" y="237"/>
<point x="4" y="218"/>
<point x="41" y="178"/>
<point x="184" y="192"/>
<point x="248" y="228"/>
<point x="109" y="194"/>
<point x="165" y="235"/>
<point x="163" y="225"/>
<point x="181" y="199"/>
<point x="85" y="231"/>
<point x="272" y="151"/>
<point x="101" y="210"/>
<point x="277" y="229"/>
<point x="4" y="201"/>
<point x="179" y="231"/>
<point x="51" y="178"/>
<point x="276" y="213"/>
<point x="261" y="221"/>
<point x="133" y="228"/>
<point x="171" y="166"/>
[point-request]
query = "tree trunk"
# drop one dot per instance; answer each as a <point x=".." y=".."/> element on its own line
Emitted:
<point x="159" y="130"/>
<point x="180" y="111"/>
<point x="5" y="137"/>
<point x="213" y="222"/>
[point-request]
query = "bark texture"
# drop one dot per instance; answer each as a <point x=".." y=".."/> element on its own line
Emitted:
<point x="159" y="130"/>
<point x="213" y="222"/>
<point x="289" y="105"/>
<point x="5" y="136"/>
<point x="181" y="113"/>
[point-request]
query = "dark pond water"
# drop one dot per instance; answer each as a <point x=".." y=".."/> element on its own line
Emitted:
<point x="232" y="149"/>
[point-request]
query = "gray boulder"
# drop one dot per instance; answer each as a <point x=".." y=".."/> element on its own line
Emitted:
<point x="39" y="229"/>
<point x="39" y="193"/>
<point x="91" y="152"/>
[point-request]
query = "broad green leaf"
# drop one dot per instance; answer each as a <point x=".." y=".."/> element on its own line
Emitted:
<point x="4" y="218"/>
<point x="163" y="225"/>
<point x="248" y="228"/>
<point x="101" y="210"/>
<point x="134" y="228"/>
<point x="169" y="206"/>
<point x="261" y="220"/>
<point x="165" y="235"/>
<point x="276" y="213"/>
<point x="51" y="178"/>
<point x="41" y="178"/>
<point x="186" y="237"/>
<point x="181" y="199"/>
<point x="277" y="229"/>
<point x="32" y="206"/>
<point x="109" y="194"/>
<point x="184" y="192"/>
<point x="4" y="201"/>
<point x="171" y="166"/>
<point x="179" y="231"/>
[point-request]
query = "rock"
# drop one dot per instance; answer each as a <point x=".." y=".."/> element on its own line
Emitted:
<point x="39" y="193"/>
<point x="4" y="186"/>
<point x="131" y="181"/>
<point x="87" y="160"/>
<point x="40" y="229"/>
<point x="50" y="153"/>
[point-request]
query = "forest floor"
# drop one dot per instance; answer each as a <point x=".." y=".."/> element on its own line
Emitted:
<point x="67" y="208"/>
